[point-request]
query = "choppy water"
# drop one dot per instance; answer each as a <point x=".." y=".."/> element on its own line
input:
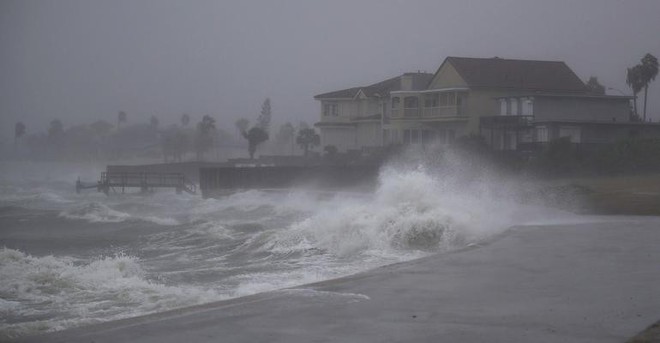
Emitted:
<point x="71" y="259"/>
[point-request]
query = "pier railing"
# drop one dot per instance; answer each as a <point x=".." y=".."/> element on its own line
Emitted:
<point x="112" y="181"/>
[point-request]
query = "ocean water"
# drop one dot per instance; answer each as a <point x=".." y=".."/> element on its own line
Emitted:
<point x="70" y="259"/>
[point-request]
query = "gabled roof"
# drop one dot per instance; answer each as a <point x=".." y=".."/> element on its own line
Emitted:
<point x="548" y="76"/>
<point x="383" y="88"/>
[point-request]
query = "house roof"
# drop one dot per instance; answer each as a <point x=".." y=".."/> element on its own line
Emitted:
<point x="383" y="88"/>
<point x="548" y="76"/>
<point x="581" y="96"/>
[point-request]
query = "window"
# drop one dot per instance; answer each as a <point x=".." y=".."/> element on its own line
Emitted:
<point x="395" y="102"/>
<point x="528" y="107"/>
<point x="503" y="110"/>
<point x="514" y="107"/>
<point x="410" y="102"/>
<point x="541" y="134"/>
<point x="330" y="110"/>
<point x="431" y="100"/>
<point x="444" y="99"/>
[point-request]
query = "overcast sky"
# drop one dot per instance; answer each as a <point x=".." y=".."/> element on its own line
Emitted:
<point x="81" y="61"/>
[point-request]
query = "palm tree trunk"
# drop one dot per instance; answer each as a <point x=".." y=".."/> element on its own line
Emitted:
<point x="635" y="105"/>
<point x="646" y="91"/>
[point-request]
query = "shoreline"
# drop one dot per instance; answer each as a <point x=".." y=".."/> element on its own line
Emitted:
<point x="459" y="296"/>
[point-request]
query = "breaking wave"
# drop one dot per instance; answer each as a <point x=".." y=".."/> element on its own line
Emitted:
<point x="95" y="212"/>
<point x="56" y="291"/>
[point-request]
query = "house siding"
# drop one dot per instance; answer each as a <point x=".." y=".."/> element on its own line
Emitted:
<point x="581" y="109"/>
<point x="447" y="77"/>
<point x="344" y="138"/>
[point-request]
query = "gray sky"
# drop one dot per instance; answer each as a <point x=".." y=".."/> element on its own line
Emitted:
<point x="81" y="61"/>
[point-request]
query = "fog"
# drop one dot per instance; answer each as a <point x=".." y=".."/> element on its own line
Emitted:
<point x="82" y="61"/>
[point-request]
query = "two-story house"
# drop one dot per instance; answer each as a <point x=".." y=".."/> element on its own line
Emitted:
<point x="356" y="118"/>
<point x="508" y="102"/>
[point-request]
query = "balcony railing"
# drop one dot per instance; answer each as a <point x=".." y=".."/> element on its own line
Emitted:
<point x="442" y="111"/>
<point x="411" y="112"/>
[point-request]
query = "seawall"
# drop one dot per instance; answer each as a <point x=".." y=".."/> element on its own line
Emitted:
<point x="215" y="181"/>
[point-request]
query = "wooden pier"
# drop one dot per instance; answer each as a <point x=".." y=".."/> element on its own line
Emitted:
<point x="118" y="182"/>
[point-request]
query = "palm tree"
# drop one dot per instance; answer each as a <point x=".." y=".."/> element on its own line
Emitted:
<point x="594" y="87"/>
<point x="153" y="121"/>
<point x="634" y="81"/>
<point x="121" y="118"/>
<point x="308" y="138"/>
<point x="185" y="119"/>
<point x="56" y="129"/>
<point x="649" y="70"/>
<point x="19" y="131"/>
<point x="204" y="140"/>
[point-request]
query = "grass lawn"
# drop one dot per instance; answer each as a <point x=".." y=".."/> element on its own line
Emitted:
<point x="628" y="194"/>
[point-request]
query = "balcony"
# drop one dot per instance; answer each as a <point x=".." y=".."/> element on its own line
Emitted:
<point x="442" y="111"/>
<point x="411" y="112"/>
<point x="507" y="121"/>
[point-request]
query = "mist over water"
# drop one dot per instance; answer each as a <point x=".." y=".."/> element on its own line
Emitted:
<point x="71" y="259"/>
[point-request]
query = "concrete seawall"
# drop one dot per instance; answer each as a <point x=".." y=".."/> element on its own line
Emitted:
<point x="218" y="180"/>
<point x="189" y="169"/>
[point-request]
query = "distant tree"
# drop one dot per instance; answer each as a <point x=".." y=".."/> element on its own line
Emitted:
<point x="307" y="139"/>
<point x="285" y="136"/>
<point x="19" y="131"/>
<point x="153" y="121"/>
<point x="303" y="125"/>
<point x="330" y="151"/>
<point x="649" y="70"/>
<point x="204" y="138"/>
<point x="594" y="87"/>
<point x="121" y="118"/>
<point x="185" y="119"/>
<point x="56" y="129"/>
<point x="264" y="119"/>
<point x="101" y="127"/>
<point x="255" y="136"/>
<point x="242" y="125"/>
<point x="635" y="82"/>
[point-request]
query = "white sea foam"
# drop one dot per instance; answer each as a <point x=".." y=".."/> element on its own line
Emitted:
<point x="412" y="212"/>
<point x="95" y="212"/>
<point x="66" y="292"/>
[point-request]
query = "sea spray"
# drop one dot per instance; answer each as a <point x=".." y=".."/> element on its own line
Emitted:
<point x="55" y="290"/>
<point x="153" y="253"/>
